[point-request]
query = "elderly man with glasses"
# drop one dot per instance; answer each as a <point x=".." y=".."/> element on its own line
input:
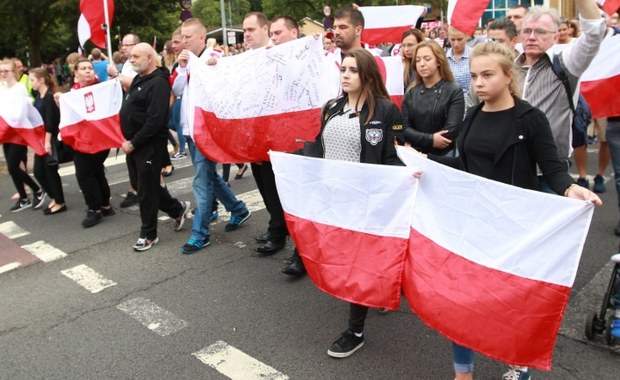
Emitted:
<point x="542" y="87"/>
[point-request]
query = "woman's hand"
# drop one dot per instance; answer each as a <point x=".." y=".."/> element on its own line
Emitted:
<point x="439" y="141"/>
<point x="578" y="192"/>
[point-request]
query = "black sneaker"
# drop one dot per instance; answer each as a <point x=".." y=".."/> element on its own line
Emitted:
<point x="235" y="222"/>
<point x="130" y="199"/>
<point x="346" y="345"/>
<point x="38" y="199"/>
<point x="108" y="211"/>
<point x="193" y="246"/>
<point x="21" y="205"/>
<point x="92" y="218"/>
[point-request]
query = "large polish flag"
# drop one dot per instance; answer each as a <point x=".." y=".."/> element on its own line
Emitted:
<point x="261" y="100"/>
<point x="600" y="82"/>
<point x="92" y="17"/>
<point x="350" y="223"/>
<point x="89" y="120"/>
<point x="20" y="122"/>
<point x="464" y="15"/>
<point x="490" y="265"/>
<point x="388" y="23"/>
<point x="391" y="69"/>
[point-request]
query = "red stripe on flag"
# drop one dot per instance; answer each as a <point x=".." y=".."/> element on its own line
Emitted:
<point x="92" y="136"/>
<point x="249" y="140"/>
<point x="398" y="100"/>
<point x="504" y="316"/>
<point x="32" y="137"/>
<point x="466" y="14"/>
<point x="351" y="265"/>
<point x="601" y="95"/>
<point x="611" y="6"/>
<point x="377" y="36"/>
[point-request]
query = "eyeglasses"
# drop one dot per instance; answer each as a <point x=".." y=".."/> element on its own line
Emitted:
<point x="538" y="32"/>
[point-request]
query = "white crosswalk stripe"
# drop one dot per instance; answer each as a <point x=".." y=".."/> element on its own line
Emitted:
<point x="43" y="251"/>
<point x="151" y="316"/>
<point x="236" y="364"/>
<point x="9" y="267"/>
<point x="88" y="278"/>
<point x="12" y="230"/>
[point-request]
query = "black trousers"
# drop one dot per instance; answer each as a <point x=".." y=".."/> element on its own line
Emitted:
<point x="266" y="183"/>
<point x="357" y="317"/>
<point x="90" y="173"/>
<point x="146" y="162"/>
<point x="48" y="177"/>
<point x="15" y="154"/>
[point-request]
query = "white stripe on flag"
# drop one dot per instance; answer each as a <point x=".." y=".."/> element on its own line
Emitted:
<point x="500" y="226"/>
<point x="298" y="176"/>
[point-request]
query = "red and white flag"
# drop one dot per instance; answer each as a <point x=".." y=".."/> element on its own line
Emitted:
<point x="20" y="122"/>
<point x="609" y="6"/>
<point x="388" y="23"/>
<point x="488" y="265"/>
<point x="464" y="15"/>
<point x="600" y="82"/>
<point x="336" y="213"/>
<point x="92" y="17"/>
<point x="391" y="69"/>
<point x="261" y="100"/>
<point x="89" y="120"/>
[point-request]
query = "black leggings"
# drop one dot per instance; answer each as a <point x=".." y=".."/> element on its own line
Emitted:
<point x="90" y="173"/>
<point x="48" y="177"/>
<point x="16" y="154"/>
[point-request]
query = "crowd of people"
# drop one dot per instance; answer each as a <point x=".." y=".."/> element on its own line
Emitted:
<point x="469" y="102"/>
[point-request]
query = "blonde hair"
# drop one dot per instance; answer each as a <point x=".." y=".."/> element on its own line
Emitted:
<point x="211" y="43"/>
<point x="444" y="68"/>
<point x="504" y="58"/>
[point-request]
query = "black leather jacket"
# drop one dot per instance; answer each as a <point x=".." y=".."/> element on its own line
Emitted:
<point x="378" y="135"/>
<point x="429" y="110"/>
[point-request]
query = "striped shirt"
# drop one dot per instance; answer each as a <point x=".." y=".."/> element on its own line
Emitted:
<point x="543" y="89"/>
<point x="460" y="69"/>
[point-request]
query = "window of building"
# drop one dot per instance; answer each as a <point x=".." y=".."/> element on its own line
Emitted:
<point x="498" y="8"/>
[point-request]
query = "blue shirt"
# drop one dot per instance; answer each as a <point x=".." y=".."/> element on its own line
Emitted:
<point x="101" y="69"/>
<point x="460" y="69"/>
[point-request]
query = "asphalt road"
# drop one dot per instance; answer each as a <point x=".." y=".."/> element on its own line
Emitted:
<point x="86" y="306"/>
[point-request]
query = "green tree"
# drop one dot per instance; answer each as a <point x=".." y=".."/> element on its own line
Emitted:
<point x="209" y="11"/>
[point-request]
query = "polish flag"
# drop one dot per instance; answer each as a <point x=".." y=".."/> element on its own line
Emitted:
<point x="21" y="123"/>
<point x="600" y="82"/>
<point x="490" y="265"/>
<point x="391" y="69"/>
<point x="89" y="120"/>
<point x="609" y="6"/>
<point x="388" y="23"/>
<point x="91" y="20"/>
<point x="348" y="225"/>
<point x="261" y="100"/>
<point x="464" y="15"/>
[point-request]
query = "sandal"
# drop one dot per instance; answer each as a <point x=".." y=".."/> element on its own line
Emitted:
<point x="241" y="172"/>
<point x="168" y="173"/>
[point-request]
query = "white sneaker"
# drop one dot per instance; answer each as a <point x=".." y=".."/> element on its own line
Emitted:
<point x="144" y="244"/>
<point x="180" y="220"/>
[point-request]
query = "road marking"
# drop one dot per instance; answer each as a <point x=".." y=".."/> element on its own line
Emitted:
<point x="12" y="230"/>
<point x="44" y="251"/>
<point x="88" y="278"/>
<point x="151" y="316"/>
<point x="9" y="267"/>
<point x="235" y="364"/>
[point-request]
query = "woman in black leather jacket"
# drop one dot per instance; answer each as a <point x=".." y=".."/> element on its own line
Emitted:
<point x="433" y="106"/>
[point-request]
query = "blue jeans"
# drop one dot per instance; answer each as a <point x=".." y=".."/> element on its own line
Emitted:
<point x="175" y="124"/>
<point x="208" y="183"/>
<point x="463" y="358"/>
<point x="613" y="140"/>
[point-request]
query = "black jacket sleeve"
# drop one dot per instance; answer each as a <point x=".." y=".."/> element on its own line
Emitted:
<point x="51" y="114"/>
<point x="156" y="112"/>
<point x="455" y="110"/>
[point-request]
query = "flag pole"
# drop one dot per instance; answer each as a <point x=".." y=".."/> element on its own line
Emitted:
<point x="106" y="26"/>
